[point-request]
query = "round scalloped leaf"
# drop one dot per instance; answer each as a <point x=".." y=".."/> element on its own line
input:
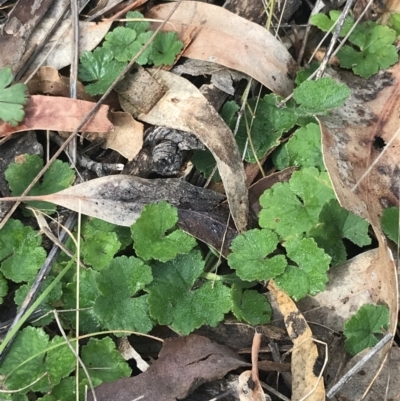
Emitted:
<point x="250" y="252"/>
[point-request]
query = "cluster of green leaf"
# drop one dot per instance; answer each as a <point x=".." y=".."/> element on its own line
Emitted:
<point x="372" y="45"/>
<point x="21" y="253"/>
<point x="12" y="98"/>
<point x="163" y="282"/>
<point x="266" y="121"/>
<point x="102" y="66"/>
<point x="36" y="363"/>
<point x="302" y="232"/>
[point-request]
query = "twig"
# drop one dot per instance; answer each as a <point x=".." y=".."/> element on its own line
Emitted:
<point x="357" y="367"/>
<point x="335" y="37"/>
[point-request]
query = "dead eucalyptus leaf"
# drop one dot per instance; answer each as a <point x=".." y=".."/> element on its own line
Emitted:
<point x="119" y="199"/>
<point x="305" y="352"/>
<point x="59" y="114"/>
<point x="236" y="42"/>
<point x="184" y="108"/>
<point x="354" y="138"/>
<point x="364" y="169"/>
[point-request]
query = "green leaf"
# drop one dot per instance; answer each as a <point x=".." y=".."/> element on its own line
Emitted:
<point x="395" y="22"/>
<point x="138" y="26"/>
<point x="325" y="23"/>
<point x="20" y="251"/>
<point x="303" y="74"/>
<point x="88" y="321"/>
<point x="148" y="233"/>
<point x="250" y="252"/>
<point x="11" y="99"/>
<point x="19" y="175"/>
<point x="292" y="208"/>
<point x="375" y="49"/>
<point x="390" y="223"/>
<point x="60" y="362"/>
<point x="99" y="249"/>
<point x="100" y="68"/>
<point x="125" y="43"/>
<point x="103" y="361"/>
<point x="117" y="284"/>
<point x="29" y="343"/>
<point x="166" y="46"/>
<point x="318" y="97"/>
<point x="93" y="225"/>
<point x="303" y="149"/>
<point x="336" y="223"/>
<point x="268" y="121"/>
<point x="310" y="276"/>
<point x="204" y="162"/>
<point x="3" y="288"/>
<point x="173" y="301"/>
<point x="250" y="306"/>
<point x="361" y="329"/>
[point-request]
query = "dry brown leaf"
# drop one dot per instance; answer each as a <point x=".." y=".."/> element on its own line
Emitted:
<point x="184" y="108"/>
<point x="126" y="137"/>
<point x="352" y="139"/>
<point x="59" y="114"/>
<point x="47" y="80"/>
<point x="361" y="152"/>
<point x="232" y="41"/>
<point x="119" y="199"/>
<point x="304" y="354"/>
<point x="183" y="364"/>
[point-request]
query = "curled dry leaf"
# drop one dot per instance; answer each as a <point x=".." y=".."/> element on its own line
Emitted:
<point x="236" y="42"/>
<point x="305" y="384"/>
<point x="126" y="137"/>
<point x="47" y="80"/>
<point x="182" y="364"/>
<point x="119" y="199"/>
<point x="184" y="108"/>
<point x="59" y="114"/>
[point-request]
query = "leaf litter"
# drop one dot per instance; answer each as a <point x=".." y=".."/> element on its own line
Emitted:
<point x="351" y="143"/>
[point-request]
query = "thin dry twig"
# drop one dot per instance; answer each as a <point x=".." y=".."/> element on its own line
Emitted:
<point x="358" y="366"/>
<point x="335" y="37"/>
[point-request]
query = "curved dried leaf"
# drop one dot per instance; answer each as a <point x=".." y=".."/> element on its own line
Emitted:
<point x="184" y="108"/>
<point x="232" y="41"/>
<point x="119" y="199"/>
<point x="305" y="352"/>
